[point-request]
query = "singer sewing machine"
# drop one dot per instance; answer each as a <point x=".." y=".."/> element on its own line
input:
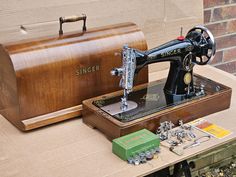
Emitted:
<point x="182" y="95"/>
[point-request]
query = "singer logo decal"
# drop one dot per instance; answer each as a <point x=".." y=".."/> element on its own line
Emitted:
<point x="87" y="70"/>
<point x="170" y="53"/>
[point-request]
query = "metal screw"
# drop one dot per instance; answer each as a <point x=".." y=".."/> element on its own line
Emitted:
<point x="218" y="88"/>
<point x="202" y="88"/>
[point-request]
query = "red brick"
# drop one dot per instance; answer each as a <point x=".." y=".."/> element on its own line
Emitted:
<point x="231" y="26"/>
<point x="218" y="58"/>
<point x="212" y="3"/>
<point x="218" y="28"/>
<point x="226" y="41"/>
<point x="229" y="54"/>
<point x="223" y="13"/>
<point x="207" y="16"/>
<point x="228" y="67"/>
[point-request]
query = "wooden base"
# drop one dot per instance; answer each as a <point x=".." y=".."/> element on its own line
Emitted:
<point x="188" y="111"/>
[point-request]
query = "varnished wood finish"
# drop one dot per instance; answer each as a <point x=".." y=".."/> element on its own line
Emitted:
<point x="39" y="78"/>
<point x="51" y="118"/>
<point x="112" y="128"/>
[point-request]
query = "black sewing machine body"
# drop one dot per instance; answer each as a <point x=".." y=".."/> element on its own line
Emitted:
<point x="198" y="47"/>
<point x="182" y="95"/>
<point x="180" y="80"/>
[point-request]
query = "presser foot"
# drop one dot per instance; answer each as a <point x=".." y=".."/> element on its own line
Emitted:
<point x="124" y="104"/>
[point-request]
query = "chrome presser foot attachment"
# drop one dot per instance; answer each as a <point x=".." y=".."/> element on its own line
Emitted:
<point x="124" y="103"/>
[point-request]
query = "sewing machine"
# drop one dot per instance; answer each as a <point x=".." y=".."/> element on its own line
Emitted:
<point x="182" y="95"/>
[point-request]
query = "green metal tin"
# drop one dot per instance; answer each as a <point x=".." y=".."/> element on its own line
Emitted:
<point x="134" y="143"/>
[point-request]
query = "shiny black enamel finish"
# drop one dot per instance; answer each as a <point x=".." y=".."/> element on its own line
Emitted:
<point x="152" y="99"/>
<point x="174" y="51"/>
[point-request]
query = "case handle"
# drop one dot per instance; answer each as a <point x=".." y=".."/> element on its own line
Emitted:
<point x="74" y="18"/>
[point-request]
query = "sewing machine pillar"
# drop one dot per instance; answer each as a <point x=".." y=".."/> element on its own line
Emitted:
<point x="179" y="82"/>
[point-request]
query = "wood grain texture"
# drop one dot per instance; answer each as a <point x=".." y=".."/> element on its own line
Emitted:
<point x="41" y="76"/>
<point x="188" y="111"/>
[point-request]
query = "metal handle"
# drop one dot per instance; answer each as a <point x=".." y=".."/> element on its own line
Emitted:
<point x="72" y="19"/>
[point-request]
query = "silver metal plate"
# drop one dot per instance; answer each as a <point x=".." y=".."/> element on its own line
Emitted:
<point x="115" y="108"/>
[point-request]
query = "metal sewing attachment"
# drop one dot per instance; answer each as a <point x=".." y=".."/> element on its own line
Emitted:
<point x="144" y="156"/>
<point x="198" y="141"/>
<point x="202" y="86"/>
<point x="126" y="72"/>
<point x="164" y="130"/>
<point x="201" y="90"/>
<point x="176" y="138"/>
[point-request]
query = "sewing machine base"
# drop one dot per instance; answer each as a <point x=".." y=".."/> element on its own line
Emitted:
<point x="153" y="107"/>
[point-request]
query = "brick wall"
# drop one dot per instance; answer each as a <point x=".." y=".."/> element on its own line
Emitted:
<point x="220" y="18"/>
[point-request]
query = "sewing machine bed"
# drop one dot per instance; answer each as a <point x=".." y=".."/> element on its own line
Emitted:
<point x="153" y="107"/>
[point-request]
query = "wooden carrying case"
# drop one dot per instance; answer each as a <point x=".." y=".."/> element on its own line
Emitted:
<point x="45" y="80"/>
